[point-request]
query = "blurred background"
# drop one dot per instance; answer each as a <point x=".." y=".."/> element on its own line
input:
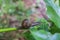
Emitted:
<point x="46" y="12"/>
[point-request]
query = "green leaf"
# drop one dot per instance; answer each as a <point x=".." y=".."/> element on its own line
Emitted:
<point x="28" y="36"/>
<point x="56" y="2"/>
<point x="41" y="35"/>
<point x="52" y="12"/>
<point x="56" y="36"/>
<point x="44" y="35"/>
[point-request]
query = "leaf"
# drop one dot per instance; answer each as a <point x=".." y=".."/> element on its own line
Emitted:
<point x="56" y="36"/>
<point x="52" y="12"/>
<point x="40" y="35"/>
<point x="57" y="2"/>
<point x="28" y="36"/>
<point x="44" y="35"/>
<point x="54" y="29"/>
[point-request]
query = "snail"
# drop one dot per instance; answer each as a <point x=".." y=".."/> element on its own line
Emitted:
<point x="26" y="24"/>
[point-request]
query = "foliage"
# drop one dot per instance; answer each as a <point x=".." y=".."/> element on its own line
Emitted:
<point x="39" y="32"/>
